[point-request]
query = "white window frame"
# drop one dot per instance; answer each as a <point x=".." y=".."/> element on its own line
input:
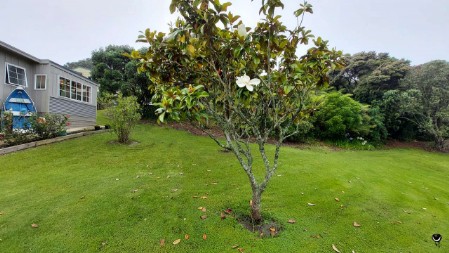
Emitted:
<point x="35" y="82"/>
<point x="7" y="81"/>
<point x="70" y="91"/>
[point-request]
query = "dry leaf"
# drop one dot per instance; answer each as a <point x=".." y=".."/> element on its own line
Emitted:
<point x="353" y="251"/>
<point x="177" y="241"/>
<point x="195" y="197"/>
<point x="251" y="203"/>
<point x="272" y="231"/>
<point x="204" y="236"/>
<point x="162" y="242"/>
<point x="200" y="208"/>
<point x="228" y="211"/>
<point x="317" y="236"/>
<point x="357" y="225"/>
<point x="310" y="204"/>
<point x="222" y="216"/>
<point x="241" y="250"/>
<point x="235" y="246"/>
<point x="203" y="217"/>
<point x="203" y="209"/>
<point x="187" y="236"/>
<point x="335" y="248"/>
<point x="337" y="199"/>
<point x="291" y="221"/>
<point x="204" y="197"/>
<point x="34" y="225"/>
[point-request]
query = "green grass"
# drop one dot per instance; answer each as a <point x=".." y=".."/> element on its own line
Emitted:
<point x="82" y="194"/>
<point x="102" y="119"/>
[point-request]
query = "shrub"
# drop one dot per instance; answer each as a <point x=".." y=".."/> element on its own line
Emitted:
<point x="124" y="116"/>
<point x="16" y="136"/>
<point x="337" y="116"/>
<point x="49" y="125"/>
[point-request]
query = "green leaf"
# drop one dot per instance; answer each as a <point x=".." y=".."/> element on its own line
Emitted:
<point x="225" y="6"/>
<point x="172" y="7"/>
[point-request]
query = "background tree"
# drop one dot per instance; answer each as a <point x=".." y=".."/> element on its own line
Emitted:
<point x="426" y="99"/>
<point x="369" y="75"/>
<point x="206" y="70"/>
<point x="85" y="63"/>
<point x="109" y="67"/>
<point x="115" y="72"/>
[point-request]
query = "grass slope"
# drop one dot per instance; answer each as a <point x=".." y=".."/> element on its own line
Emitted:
<point x="90" y="195"/>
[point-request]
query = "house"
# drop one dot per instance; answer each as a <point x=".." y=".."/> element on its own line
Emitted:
<point x="52" y="87"/>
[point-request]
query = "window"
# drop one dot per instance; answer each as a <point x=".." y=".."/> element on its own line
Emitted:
<point x="64" y="87"/>
<point x="15" y="75"/>
<point x="40" y="82"/>
<point x="86" y="93"/>
<point x="74" y="90"/>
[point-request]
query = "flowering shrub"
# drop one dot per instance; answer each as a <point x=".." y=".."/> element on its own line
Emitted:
<point x="49" y="125"/>
<point x="15" y="136"/>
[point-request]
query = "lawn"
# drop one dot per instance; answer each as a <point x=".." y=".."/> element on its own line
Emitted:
<point x="91" y="194"/>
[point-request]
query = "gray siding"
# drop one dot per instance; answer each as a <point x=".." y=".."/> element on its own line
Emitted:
<point x="81" y="114"/>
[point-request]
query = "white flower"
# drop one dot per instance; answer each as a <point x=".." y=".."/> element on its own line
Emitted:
<point x="264" y="73"/>
<point x="245" y="81"/>
<point x="242" y="30"/>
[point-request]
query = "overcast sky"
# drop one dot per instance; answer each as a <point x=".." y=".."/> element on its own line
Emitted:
<point x="69" y="30"/>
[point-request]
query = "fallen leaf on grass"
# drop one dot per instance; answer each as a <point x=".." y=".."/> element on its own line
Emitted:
<point x="337" y="199"/>
<point x="241" y="250"/>
<point x="235" y="246"/>
<point x="357" y="225"/>
<point x="335" y="248"/>
<point x="317" y="236"/>
<point x="177" y="241"/>
<point x="203" y="217"/>
<point x="34" y="225"/>
<point x="204" y="197"/>
<point x="272" y="231"/>
<point x="228" y="211"/>
<point x="310" y="204"/>
<point x="222" y="216"/>
<point x="195" y="197"/>
<point x="162" y="242"/>
<point x="204" y="236"/>
<point x="134" y="191"/>
<point x="291" y="221"/>
<point x="187" y="236"/>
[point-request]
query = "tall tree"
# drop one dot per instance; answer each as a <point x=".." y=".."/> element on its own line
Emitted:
<point x="247" y="81"/>
<point x="426" y="98"/>
<point x="369" y="75"/>
<point x="109" y="67"/>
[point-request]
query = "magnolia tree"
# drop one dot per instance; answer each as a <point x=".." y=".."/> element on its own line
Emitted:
<point x="249" y="82"/>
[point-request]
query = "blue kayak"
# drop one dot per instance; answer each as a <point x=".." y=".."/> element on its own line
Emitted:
<point x="21" y="106"/>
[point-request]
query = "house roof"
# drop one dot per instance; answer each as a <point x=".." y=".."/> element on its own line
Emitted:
<point x="19" y="52"/>
<point x="12" y="49"/>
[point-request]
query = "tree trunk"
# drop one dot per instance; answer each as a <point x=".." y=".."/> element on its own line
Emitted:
<point x="256" y="215"/>
<point x="439" y="143"/>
